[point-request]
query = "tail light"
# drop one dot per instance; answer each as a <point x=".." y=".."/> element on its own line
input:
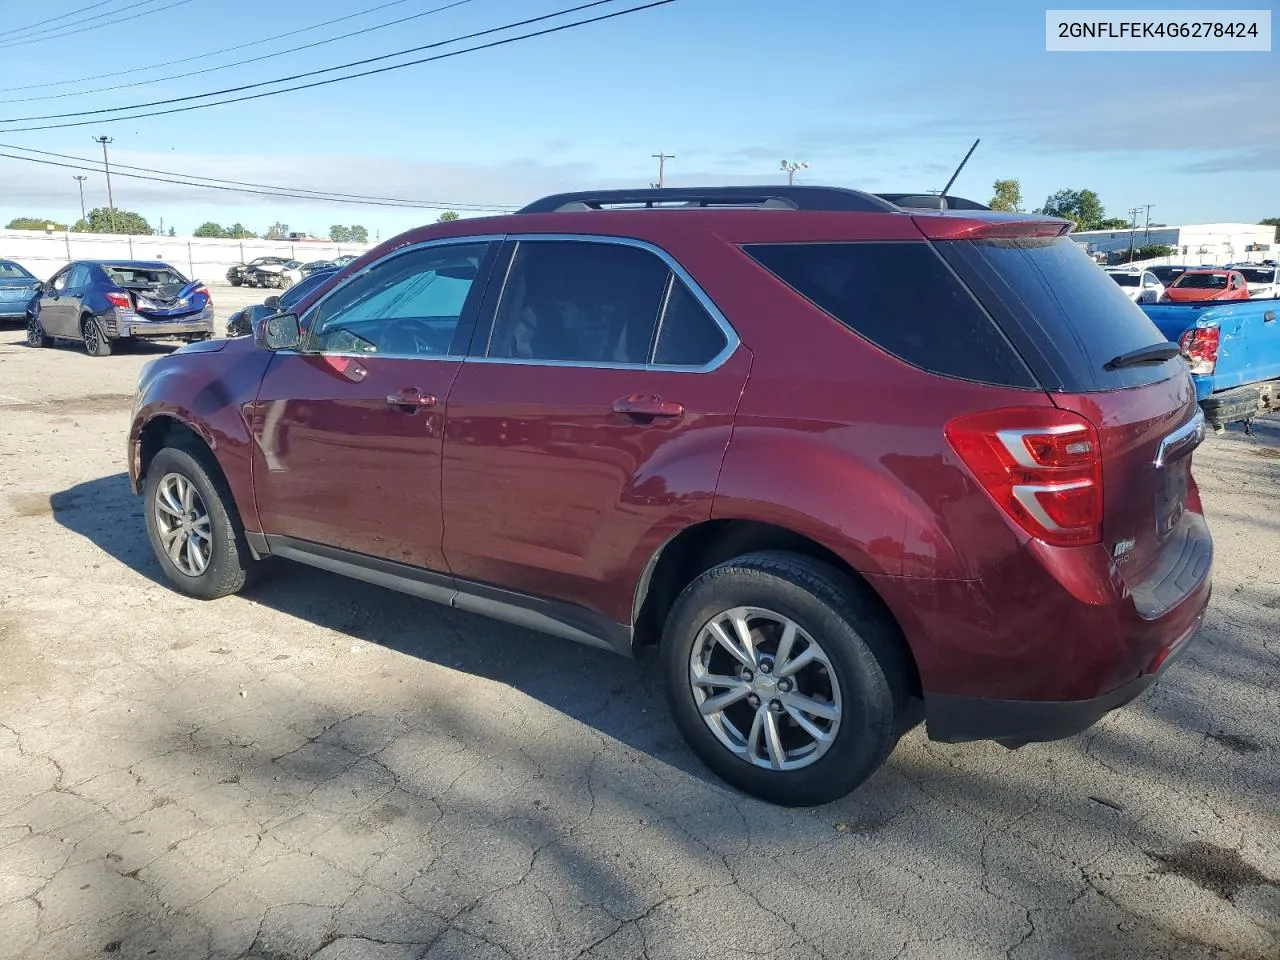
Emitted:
<point x="1200" y="348"/>
<point x="1042" y="466"/>
<point x="120" y="300"/>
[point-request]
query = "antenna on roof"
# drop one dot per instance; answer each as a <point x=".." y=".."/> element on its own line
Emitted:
<point x="947" y="188"/>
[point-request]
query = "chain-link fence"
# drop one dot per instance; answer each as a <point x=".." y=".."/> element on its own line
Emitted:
<point x="198" y="258"/>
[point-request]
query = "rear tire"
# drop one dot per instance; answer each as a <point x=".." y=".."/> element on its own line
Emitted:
<point x="36" y="336"/>
<point x="96" y="343"/>
<point x="853" y="687"/>
<point x="218" y="562"/>
<point x="235" y="281"/>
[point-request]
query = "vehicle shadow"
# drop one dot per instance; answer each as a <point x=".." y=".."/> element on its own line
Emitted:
<point x="621" y="698"/>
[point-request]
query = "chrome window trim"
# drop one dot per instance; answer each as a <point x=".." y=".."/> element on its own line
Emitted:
<point x="732" y="341"/>
<point x="306" y="320"/>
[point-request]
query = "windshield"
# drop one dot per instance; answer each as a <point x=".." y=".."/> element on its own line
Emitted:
<point x="1201" y="281"/>
<point x="1251" y="274"/>
<point x="1125" y="279"/>
<point x="11" y="271"/>
<point x="265" y="260"/>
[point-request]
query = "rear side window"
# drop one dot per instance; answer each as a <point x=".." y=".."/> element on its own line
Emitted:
<point x="902" y="298"/>
<point x="1067" y="318"/>
<point x="687" y="337"/>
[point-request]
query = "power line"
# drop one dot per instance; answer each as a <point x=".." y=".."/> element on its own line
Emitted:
<point x="22" y="41"/>
<point x="401" y="204"/>
<point x="246" y="183"/>
<point x="310" y="73"/>
<point x="212" y="53"/>
<point x="241" y="63"/>
<point x="49" y="20"/>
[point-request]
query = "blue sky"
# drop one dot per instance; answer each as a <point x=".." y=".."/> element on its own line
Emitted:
<point x="883" y="96"/>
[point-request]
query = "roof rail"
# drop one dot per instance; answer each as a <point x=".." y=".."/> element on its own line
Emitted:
<point x="931" y="201"/>
<point x="767" y="197"/>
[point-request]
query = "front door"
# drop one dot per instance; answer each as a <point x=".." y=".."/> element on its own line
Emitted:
<point x="590" y="424"/>
<point x="349" y="428"/>
<point x="59" y="309"/>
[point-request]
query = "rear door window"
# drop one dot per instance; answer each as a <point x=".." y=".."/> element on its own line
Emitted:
<point x="904" y="299"/>
<point x="1067" y="318"/>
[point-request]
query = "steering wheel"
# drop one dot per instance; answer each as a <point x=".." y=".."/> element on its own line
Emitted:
<point x="413" y="336"/>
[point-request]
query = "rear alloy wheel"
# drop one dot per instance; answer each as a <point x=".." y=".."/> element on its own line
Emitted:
<point x="95" y="344"/>
<point x="286" y="283"/>
<point x="35" y="333"/>
<point x="786" y="677"/>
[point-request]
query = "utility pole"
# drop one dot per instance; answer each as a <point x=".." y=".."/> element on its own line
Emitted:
<point x="1133" y="229"/>
<point x="1146" y="236"/>
<point x="791" y="166"/>
<point x="111" y="203"/>
<point x="81" y="178"/>
<point x="662" y="159"/>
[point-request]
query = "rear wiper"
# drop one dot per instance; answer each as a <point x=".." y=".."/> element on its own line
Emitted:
<point x="1156" y="353"/>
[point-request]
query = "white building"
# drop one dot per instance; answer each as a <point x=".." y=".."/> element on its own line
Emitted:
<point x="1193" y="244"/>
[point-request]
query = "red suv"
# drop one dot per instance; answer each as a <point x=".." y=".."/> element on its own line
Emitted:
<point x="832" y="454"/>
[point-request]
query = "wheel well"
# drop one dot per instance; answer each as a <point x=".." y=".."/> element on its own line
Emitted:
<point x="703" y="546"/>
<point x="161" y="432"/>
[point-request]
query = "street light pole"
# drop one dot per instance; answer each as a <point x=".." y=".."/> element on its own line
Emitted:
<point x="791" y="166"/>
<point x="80" y="178"/>
<point x="111" y="203"/>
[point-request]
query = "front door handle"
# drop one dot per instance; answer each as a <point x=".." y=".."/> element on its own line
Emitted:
<point x="411" y="399"/>
<point x="644" y="406"/>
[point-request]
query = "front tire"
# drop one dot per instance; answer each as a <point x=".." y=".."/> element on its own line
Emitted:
<point x="194" y="528"/>
<point x="785" y="677"/>
<point x="96" y="343"/>
<point x="36" y="336"/>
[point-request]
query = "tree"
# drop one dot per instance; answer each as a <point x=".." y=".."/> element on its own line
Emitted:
<point x="102" y="220"/>
<point x="81" y="226"/>
<point x="449" y="215"/>
<point x="1114" y="223"/>
<point x="357" y="234"/>
<point x="210" y="229"/>
<point x="1151" y="251"/>
<point x="339" y="234"/>
<point x="1008" y="195"/>
<point x="33" y="223"/>
<point x="238" y="231"/>
<point x="173" y="232"/>
<point x="1272" y="222"/>
<point x="277" y="231"/>
<point x="1080" y="206"/>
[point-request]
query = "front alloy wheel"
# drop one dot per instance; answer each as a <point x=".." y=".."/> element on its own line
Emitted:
<point x="182" y="523"/>
<point x="765" y="688"/>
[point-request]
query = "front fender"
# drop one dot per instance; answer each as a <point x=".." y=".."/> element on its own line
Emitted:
<point x="211" y="394"/>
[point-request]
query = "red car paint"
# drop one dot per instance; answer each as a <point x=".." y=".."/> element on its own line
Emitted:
<point x="1198" y="285"/>
<point x="528" y="479"/>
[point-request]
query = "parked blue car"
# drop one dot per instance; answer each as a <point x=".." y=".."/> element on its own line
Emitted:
<point x="17" y="291"/>
<point x="1233" y="350"/>
<point x="105" y="302"/>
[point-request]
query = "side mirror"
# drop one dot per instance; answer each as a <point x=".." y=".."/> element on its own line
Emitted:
<point x="278" y="332"/>
<point x="273" y="302"/>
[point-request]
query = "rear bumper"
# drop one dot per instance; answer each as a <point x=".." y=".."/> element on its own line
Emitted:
<point x="137" y="326"/>
<point x="1015" y="723"/>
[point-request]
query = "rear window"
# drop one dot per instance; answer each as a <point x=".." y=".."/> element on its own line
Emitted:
<point x="1201" y="281"/>
<point x="1065" y="316"/>
<point x="902" y="298"/>
<point x="1125" y="279"/>
<point x="143" y="277"/>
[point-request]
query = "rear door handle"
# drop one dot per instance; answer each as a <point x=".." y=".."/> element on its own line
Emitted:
<point x="411" y="399"/>
<point x="647" y="406"/>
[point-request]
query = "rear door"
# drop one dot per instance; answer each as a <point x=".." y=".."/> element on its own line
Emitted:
<point x="590" y="423"/>
<point x="349" y="429"/>
<point x="1071" y="323"/>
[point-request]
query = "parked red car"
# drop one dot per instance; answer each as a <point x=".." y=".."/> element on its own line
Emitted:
<point x="832" y="455"/>
<point x="1208" y="285"/>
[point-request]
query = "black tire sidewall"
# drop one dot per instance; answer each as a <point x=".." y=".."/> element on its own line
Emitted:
<point x="869" y="703"/>
<point x="103" y="348"/>
<point x="229" y="557"/>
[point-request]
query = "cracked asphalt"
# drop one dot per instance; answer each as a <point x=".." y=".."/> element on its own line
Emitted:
<point x="322" y="769"/>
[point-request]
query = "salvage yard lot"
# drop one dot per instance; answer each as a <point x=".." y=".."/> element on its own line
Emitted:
<point x="323" y="768"/>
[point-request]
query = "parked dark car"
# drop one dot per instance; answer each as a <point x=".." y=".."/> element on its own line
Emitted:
<point x="101" y="302"/>
<point x="1167" y="273"/>
<point x="246" y="274"/>
<point x="717" y="425"/>
<point x="241" y="323"/>
<point x="17" y="291"/>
